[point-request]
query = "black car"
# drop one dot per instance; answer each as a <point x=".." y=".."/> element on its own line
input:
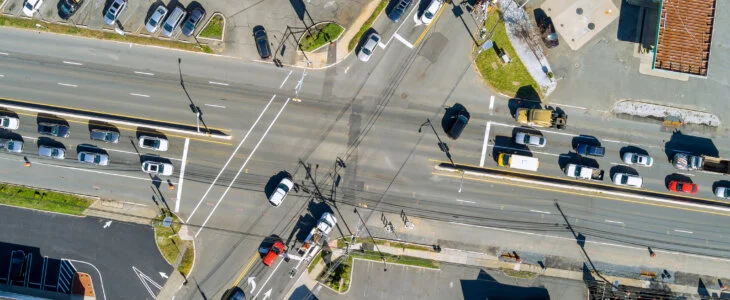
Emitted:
<point x="57" y="130"/>
<point x="192" y="21"/>
<point x="547" y="32"/>
<point x="17" y="265"/>
<point x="262" y="42"/>
<point x="399" y="9"/>
<point x="69" y="7"/>
<point x="458" y="118"/>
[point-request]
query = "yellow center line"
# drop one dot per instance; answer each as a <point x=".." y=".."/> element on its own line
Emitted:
<point x="423" y="34"/>
<point x="240" y="277"/>
<point x="577" y="193"/>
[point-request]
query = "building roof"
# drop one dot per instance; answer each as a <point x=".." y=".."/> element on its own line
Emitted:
<point x="684" y="36"/>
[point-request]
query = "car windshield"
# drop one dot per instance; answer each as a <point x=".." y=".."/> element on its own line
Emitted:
<point x="634" y="158"/>
<point x="168" y="27"/>
<point x="153" y="22"/>
<point x="542" y="141"/>
<point x="527" y="139"/>
<point x="54" y="152"/>
<point x="29" y="6"/>
<point x="428" y="15"/>
<point x="190" y="25"/>
<point x="6" y="122"/>
<point x="624" y="179"/>
<point x="262" y="46"/>
<point x="152" y="143"/>
<point x="97" y="159"/>
<point x="552" y="37"/>
<point x="726" y="193"/>
<point x="275" y="250"/>
<point x="284" y="187"/>
<point x="680" y="186"/>
<point x="375" y="38"/>
<point x="505" y="160"/>
<point x="110" y="15"/>
<point x="366" y="51"/>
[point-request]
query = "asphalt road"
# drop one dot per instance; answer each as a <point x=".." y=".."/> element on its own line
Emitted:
<point x="366" y="114"/>
<point x="122" y="258"/>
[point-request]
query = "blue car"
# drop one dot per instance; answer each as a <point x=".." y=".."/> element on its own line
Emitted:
<point x="398" y="10"/>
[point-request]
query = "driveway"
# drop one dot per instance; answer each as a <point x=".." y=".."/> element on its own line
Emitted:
<point x="121" y="258"/>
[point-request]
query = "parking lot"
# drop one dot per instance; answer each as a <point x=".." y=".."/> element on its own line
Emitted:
<point x="90" y="14"/>
<point x="27" y="267"/>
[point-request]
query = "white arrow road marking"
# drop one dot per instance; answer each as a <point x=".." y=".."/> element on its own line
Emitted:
<point x="267" y="279"/>
<point x="163" y="275"/>
<point x="267" y="294"/>
<point x="107" y="224"/>
<point x="146" y="281"/>
<point x="252" y="283"/>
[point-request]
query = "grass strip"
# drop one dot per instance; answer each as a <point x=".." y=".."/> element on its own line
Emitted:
<point x="14" y="195"/>
<point x="342" y="244"/>
<point x="324" y="35"/>
<point x="398" y="259"/>
<point x="214" y="30"/>
<point x="508" y="78"/>
<point x="170" y="243"/>
<point x="518" y="274"/>
<point x="365" y="26"/>
<point x="98" y="34"/>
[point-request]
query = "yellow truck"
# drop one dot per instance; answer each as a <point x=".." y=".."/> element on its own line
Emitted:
<point x="539" y="117"/>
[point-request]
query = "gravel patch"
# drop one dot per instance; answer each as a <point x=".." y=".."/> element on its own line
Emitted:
<point x="645" y="109"/>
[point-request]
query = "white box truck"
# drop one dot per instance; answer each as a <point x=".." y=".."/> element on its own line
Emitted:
<point x="515" y="161"/>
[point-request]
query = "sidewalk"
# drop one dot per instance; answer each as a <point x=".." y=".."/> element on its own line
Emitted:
<point x="558" y="252"/>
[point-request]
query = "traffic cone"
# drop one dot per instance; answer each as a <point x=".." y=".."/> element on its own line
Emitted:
<point x="27" y="163"/>
<point x="170" y="187"/>
<point x="652" y="254"/>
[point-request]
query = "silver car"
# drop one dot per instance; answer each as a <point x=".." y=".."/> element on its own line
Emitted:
<point x="100" y="159"/>
<point x="107" y="136"/>
<point x="114" y="10"/>
<point x="9" y="122"/>
<point x="11" y="145"/>
<point x="523" y="138"/>
<point x="153" y="23"/>
<point x="638" y="159"/>
<point x="157" y="168"/>
<point x="628" y="180"/>
<point x="282" y="189"/>
<point x="722" y="192"/>
<point x="52" y="152"/>
<point x="154" y="143"/>
<point x="367" y="49"/>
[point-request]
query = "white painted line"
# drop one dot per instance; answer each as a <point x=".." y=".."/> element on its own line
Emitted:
<point x="229" y="159"/>
<point x="554" y="132"/>
<point x="213" y="105"/>
<point x="130" y="152"/>
<point x="540" y="212"/>
<point x="140" y="95"/>
<point x="30" y="137"/>
<point x="486" y="142"/>
<point x="182" y="174"/>
<point x="267" y="279"/>
<point x="3" y="53"/>
<point x="687" y="174"/>
<point x="101" y="280"/>
<point x="566" y="105"/>
<point x="618" y="164"/>
<point x="402" y="40"/>
<point x="491" y="104"/>
<point x="67" y="84"/>
<point x="612" y="221"/>
<point x="218" y="83"/>
<point x="465" y="201"/>
<point x="72" y="63"/>
<point x="1" y="75"/>
<point x="144" y="73"/>
<point x="683" y="231"/>
<point x="613" y="141"/>
<point x="287" y="78"/>
<point x="528" y="151"/>
<point x="253" y="151"/>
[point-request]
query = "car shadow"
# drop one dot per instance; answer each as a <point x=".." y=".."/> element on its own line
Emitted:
<point x="450" y="114"/>
<point x="680" y="142"/>
<point x="631" y="149"/>
<point x="585" y="139"/>
<point x="49" y="142"/>
<point x="677" y="177"/>
<point x="505" y="144"/>
<point x="527" y="92"/>
<point x="90" y="148"/>
<point x="622" y="169"/>
<point x="573" y="158"/>
<point x="93" y="124"/>
<point x="149" y="132"/>
<point x="515" y="104"/>
<point x="524" y="129"/>
<point x="8" y="113"/>
<point x="153" y="158"/>
<point x="12" y="135"/>
<point x="49" y="118"/>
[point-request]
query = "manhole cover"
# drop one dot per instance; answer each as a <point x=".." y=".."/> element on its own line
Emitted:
<point x="577" y="65"/>
<point x="591" y="26"/>
<point x="579" y="11"/>
<point x="404" y="95"/>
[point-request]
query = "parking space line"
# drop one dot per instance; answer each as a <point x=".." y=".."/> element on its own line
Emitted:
<point x="182" y="174"/>
<point x="43" y="272"/>
<point x="253" y="151"/>
<point x="72" y="63"/>
<point x="613" y="141"/>
<point x="67" y="84"/>
<point x="486" y="142"/>
<point x="139" y="95"/>
<point x="144" y="73"/>
<point x="218" y="83"/>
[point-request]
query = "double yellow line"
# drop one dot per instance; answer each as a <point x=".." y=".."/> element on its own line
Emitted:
<point x="240" y="277"/>
<point x="423" y="34"/>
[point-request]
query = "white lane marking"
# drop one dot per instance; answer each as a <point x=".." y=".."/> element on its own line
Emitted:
<point x="486" y="143"/>
<point x="253" y="151"/>
<point x="465" y="201"/>
<point x="229" y="159"/>
<point x="140" y="95"/>
<point x="3" y="53"/>
<point x="491" y="104"/>
<point x="130" y="152"/>
<point x="567" y="105"/>
<point x="588" y="241"/>
<point x="67" y="84"/>
<point x="267" y="279"/>
<point x="101" y="280"/>
<point x="683" y="231"/>
<point x="144" y="73"/>
<point x="402" y="40"/>
<point x="540" y="212"/>
<point x="287" y="78"/>
<point x="29" y="137"/>
<point x="554" y="132"/>
<point x="687" y="174"/>
<point x="613" y="141"/>
<point x="146" y="281"/>
<point x="1" y="75"/>
<point x="612" y="221"/>
<point x="213" y="105"/>
<point x="399" y="26"/>
<point x="528" y="151"/>
<point x="619" y="164"/>
<point x="182" y="174"/>
<point x="218" y="83"/>
<point x="72" y="63"/>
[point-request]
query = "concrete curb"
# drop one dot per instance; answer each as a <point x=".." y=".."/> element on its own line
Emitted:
<point x="223" y="32"/>
<point x="325" y="44"/>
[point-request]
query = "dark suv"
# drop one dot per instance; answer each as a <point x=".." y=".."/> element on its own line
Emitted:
<point x="398" y="10"/>
<point x="457" y="120"/>
<point x="262" y="42"/>
<point x="69" y="7"/>
<point x="57" y="130"/>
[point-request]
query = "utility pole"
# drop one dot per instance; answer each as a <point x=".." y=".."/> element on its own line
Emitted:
<point x="382" y="256"/>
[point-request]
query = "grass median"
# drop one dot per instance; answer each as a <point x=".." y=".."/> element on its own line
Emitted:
<point x="171" y="245"/>
<point x="98" y="34"/>
<point x="214" y="29"/>
<point x="323" y="35"/>
<point x="508" y="78"/>
<point x="356" y="39"/>
<point x="19" y="196"/>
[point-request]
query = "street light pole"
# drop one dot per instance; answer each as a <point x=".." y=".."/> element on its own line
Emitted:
<point x="443" y="146"/>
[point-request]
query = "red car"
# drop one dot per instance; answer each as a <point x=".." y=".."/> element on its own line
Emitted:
<point x="682" y="187"/>
<point x="276" y="249"/>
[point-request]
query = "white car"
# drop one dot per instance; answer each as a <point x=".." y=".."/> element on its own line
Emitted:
<point x="722" y="192"/>
<point x="431" y="11"/>
<point x="9" y="122"/>
<point x="638" y="159"/>
<point x="157" y="168"/>
<point x="367" y="49"/>
<point x="154" y="143"/>
<point x="282" y="189"/>
<point x="628" y="180"/>
<point x="524" y="138"/>
<point x="153" y="23"/>
<point x="31" y="7"/>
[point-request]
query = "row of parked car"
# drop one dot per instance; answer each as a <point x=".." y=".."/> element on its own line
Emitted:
<point x="57" y="151"/>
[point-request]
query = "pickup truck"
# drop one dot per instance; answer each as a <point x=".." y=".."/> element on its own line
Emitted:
<point x="584" y="149"/>
<point x="583" y="172"/>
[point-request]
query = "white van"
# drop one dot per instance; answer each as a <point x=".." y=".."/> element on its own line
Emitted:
<point x="515" y="161"/>
<point x="173" y="21"/>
